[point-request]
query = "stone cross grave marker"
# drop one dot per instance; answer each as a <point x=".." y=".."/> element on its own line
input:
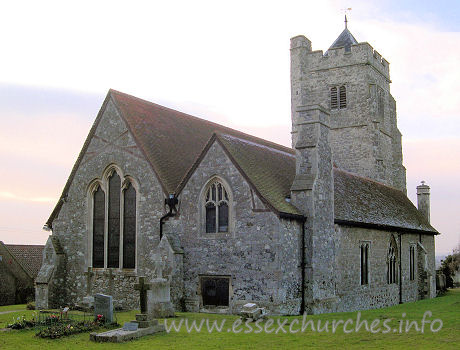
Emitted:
<point x="89" y="276"/>
<point x="142" y="287"/>
<point x="103" y="305"/>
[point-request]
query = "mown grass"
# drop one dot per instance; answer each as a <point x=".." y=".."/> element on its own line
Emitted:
<point x="446" y="308"/>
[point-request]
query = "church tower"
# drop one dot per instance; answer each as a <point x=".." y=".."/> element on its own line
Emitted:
<point x="351" y="81"/>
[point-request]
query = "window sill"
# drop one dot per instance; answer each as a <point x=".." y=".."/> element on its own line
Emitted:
<point x="123" y="272"/>
<point x="218" y="235"/>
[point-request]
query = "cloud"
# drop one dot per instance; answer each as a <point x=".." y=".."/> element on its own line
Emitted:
<point x="12" y="196"/>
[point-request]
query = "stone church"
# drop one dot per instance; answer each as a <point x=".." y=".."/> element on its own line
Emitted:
<point x="323" y="226"/>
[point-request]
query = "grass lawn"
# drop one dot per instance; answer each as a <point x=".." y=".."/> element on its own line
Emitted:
<point x="445" y="308"/>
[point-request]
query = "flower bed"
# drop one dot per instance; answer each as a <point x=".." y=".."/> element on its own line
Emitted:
<point x="62" y="330"/>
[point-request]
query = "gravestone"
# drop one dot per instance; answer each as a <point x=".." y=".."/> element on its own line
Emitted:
<point x="158" y="296"/>
<point x="251" y="311"/>
<point x="144" y="324"/>
<point x="130" y="326"/>
<point x="103" y="305"/>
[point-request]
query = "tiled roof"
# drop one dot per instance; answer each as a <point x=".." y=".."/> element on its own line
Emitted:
<point x="174" y="144"/>
<point x="270" y="170"/>
<point x="364" y="201"/>
<point x="29" y="256"/>
<point x="171" y="140"/>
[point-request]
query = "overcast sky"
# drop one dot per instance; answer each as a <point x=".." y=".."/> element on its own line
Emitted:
<point x="225" y="61"/>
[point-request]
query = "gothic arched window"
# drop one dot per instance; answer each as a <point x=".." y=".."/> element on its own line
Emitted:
<point x="216" y="205"/>
<point x="129" y="227"/>
<point x="113" y="234"/>
<point x="113" y="227"/>
<point x="392" y="272"/>
<point x="98" y="227"/>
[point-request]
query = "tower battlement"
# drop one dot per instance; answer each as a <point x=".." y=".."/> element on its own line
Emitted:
<point x="361" y="53"/>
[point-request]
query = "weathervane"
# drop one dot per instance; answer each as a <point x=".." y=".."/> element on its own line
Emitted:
<point x="345" y="10"/>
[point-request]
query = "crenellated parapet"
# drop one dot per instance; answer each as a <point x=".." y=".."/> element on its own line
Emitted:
<point x="360" y="54"/>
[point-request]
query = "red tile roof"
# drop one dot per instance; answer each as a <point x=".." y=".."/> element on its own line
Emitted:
<point x="29" y="256"/>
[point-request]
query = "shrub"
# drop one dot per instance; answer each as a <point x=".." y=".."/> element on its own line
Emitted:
<point x="30" y="305"/>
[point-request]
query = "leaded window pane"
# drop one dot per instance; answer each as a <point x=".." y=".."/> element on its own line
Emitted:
<point x="213" y="191"/>
<point x="129" y="228"/>
<point x="223" y="217"/>
<point x="210" y="218"/>
<point x="98" y="227"/>
<point x="113" y="246"/>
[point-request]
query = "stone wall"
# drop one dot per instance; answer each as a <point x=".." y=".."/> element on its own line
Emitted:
<point x="7" y="286"/>
<point x="377" y="293"/>
<point x="111" y="144"/>
<point x="260" y="253"/>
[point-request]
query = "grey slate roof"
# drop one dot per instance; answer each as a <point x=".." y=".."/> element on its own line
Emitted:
<point x="345" y="39"/>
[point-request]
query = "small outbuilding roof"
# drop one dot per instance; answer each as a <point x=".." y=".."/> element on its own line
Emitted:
<point x="28" y="256"/>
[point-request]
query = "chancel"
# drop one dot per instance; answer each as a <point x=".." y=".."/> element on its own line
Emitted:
<point x="215" y="218"/>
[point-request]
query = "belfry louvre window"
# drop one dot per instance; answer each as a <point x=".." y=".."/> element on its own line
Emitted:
<point x="114" y="224"/>
<point x="412" y="263"/>
<point x="364" y="263"/>
<point x="216" y="208"/>
<point x="338" y="96"/>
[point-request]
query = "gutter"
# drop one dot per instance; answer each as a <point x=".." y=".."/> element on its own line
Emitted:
<point x="302" y="219"/>
<point x="171" y="202"/>
<point x="385" y="227"/>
